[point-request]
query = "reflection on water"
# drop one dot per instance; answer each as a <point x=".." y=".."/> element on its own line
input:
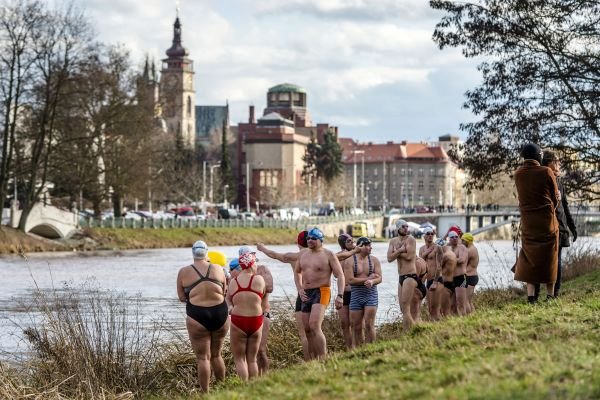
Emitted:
<point x="151" y="275"/>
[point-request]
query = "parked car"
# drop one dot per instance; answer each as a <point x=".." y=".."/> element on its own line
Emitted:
<point x="227" y="213"/>
<point x="184" y="212"/>
<point x="248" y="215"/>
<point x="363" y="228"/>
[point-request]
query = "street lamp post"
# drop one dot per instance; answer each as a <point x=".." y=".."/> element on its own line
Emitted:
<point x="354" y="153"/>
<point x="212" y="167"/>
<point x="225" y="203"/>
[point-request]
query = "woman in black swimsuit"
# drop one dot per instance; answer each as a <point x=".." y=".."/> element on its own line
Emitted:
<point x="201" y="286"/>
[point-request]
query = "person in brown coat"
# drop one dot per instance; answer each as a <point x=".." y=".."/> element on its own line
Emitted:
<point x="538" y="198"/>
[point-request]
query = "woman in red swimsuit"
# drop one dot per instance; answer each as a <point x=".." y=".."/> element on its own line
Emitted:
<point x="201" y="286"/>
<point x="246" y="293"/>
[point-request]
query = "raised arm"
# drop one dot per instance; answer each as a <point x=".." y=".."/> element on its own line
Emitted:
<point x="337" y="271"/>
<point x="393" y="253"/>
<point x="342" y="255"/>
<point x="283" y="257"/>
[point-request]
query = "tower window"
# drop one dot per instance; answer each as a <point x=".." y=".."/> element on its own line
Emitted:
<point x="189" y="106"/>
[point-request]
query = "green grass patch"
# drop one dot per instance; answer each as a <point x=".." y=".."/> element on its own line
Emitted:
<point x="506" y="350"/>
<point x="123" y="238"/>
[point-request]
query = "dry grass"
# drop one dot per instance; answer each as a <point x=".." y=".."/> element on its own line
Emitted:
<point x="579" y="260"/>
<point x="93" y="344"/>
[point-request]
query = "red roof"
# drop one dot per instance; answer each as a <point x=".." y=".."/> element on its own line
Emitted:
<point x="390" y="151"/>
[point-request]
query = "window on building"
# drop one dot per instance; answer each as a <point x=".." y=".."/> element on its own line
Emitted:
<point x="431" y="186"/>
<point x="402" y="172"/>
<point x="421" y="172"/>
<point x="375" y="171"/>
<point x="421" y="186"/>
<point x="394" y="170"/>
<point x="284" y="97"/>
<point x="189" y="106"/>
<point x="410" y="172"/>
<point x="375" y="185"/>
<point x="394" y="185"/>
<point x="410" y="186"/>
<point x="432" y="172"/>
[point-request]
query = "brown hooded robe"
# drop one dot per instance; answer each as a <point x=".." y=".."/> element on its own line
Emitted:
<point x="538" y="197"/>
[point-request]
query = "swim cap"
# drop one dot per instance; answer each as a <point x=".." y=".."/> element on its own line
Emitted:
<point x="400" y="223"/>
<point x="532" y="151"/>
<point x="199" y="250"/>
<point x="234" y="264"/>
<point x="452" y="234"/>
<point x="301" y="239"/>
<point x="245" y="249"/>
<point x="316" y="232"/>
<point x="456" y="229"/>
<point x="342" y="240"/>
<point x="247" y="260"/>
<point x="217" y="257"/>
<point x="363" y="241"/>
<point x="467" y="237"/>
<point x="440" y="242"/>
<point x="427" y="229"/>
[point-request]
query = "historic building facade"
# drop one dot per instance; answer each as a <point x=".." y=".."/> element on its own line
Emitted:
<point x="270" y="149"/>
<point x="402" y="175"/>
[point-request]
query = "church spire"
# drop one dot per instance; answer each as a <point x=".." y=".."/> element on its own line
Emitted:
<point x="177" y="50"/>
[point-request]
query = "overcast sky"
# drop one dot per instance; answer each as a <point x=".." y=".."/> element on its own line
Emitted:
<point x="369" y="66"/>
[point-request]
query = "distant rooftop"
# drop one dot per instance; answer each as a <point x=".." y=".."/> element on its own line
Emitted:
<point x="286" y="88"/>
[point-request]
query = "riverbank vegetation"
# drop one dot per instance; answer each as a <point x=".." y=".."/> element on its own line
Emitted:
<point x="95" y="344"/>
<point x="16" y="242"/>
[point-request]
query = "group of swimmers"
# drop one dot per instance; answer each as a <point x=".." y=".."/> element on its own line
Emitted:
<point x="217" y="302"/>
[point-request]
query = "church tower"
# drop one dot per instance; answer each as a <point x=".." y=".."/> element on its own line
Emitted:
<point x="177" y="94"/>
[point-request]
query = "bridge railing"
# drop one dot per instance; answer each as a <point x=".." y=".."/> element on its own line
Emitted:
<point x="269" y="223"/>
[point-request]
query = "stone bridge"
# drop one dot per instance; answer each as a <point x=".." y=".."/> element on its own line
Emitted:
<point x="47" y="221"/>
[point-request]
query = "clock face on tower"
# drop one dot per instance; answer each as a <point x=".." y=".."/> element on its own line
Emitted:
<point x="171" y="82"/>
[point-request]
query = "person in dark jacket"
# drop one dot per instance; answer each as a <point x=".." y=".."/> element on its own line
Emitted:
<point x="566" y="224"/>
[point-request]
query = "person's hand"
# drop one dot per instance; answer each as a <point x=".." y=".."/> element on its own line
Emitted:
<point x="574" y="236"/>
<point x="303" y="296"/>
<point x="356" y="249"/>
<point x="338" y="302"/>
<point x="369" y="283"/>
<point x="260" y="247"/>
<point x="433" y="286"/>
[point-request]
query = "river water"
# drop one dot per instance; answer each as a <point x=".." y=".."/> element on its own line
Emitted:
<point x="150" y="275"/>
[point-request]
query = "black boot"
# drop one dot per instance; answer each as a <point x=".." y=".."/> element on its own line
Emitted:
<point x="531" y="299"/>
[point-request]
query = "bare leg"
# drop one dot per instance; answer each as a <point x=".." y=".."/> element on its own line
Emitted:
<point x="302" y="334"/>
<point x="200" y="339"/>
<point x="238" y="350"/>
<point x="315" y="336"/>
<point x="369" y="318"/>
<point x="252" y="347"/>
<point x="344" y="314"/>
<point x="216" y="346"/>
<point x="263" y="357"/>
<point x="470" y="294"/>
<point x="415" y="306"/>
<point x="356" y="321"/>
<point x="433" y="302"/>
<point x="406" y="293"/>
<point x="461" y="300"/>
<point x="550" y="289"/>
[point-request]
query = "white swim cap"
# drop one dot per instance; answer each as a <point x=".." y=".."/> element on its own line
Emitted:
<point x="199" y="250"/>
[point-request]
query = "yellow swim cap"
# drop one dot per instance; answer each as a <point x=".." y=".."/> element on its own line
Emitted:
<point x="467" y="237"/>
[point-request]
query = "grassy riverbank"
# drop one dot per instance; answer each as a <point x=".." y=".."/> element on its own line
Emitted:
<point x="13" y="241"/>
<point x="507" y="349"/>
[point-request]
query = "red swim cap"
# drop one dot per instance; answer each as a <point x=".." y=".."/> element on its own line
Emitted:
<point x="301" y="240"/>
<point x="247" y="260"/>
<point x="456" y="229"/>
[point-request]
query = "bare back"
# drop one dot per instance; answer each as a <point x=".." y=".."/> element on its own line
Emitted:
<point x="472" y="260"/>
<point x="206" y="293"/>
<point x="246" y="303"/>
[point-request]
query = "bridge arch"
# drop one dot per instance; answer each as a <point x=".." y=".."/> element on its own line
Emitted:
<point x="47" y="231"/>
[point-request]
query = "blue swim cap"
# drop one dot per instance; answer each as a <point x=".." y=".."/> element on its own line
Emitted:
<point x="316" y="232"/>
<point x="234" y="264"/>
